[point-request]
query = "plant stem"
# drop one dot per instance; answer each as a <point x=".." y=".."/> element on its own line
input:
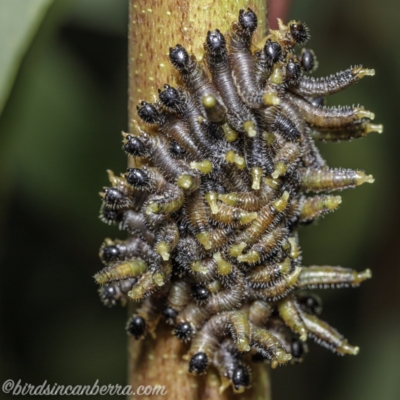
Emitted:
<point x="154" y="26"/>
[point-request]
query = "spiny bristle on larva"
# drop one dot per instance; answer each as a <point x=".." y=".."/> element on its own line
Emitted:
<point x="225" y="175"/>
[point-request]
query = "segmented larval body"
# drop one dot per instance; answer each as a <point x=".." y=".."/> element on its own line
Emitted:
<point x="229" y="171"/>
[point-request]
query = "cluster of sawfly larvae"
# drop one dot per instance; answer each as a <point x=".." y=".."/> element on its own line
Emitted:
<point x="226" y="171"/>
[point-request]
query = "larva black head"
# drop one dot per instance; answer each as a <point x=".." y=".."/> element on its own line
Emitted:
<point x="137" y="177"/>
<point x="179" y="57"/>
<point x="248" y="20"/>
<point x="311" y="303"/>
<point x="293" y="71"/>
<point x="183" y="331"/>
<point x="126" y="285"/>
<point x="299" y="32"/>
<point x="169" y="314"/>
<point x="109" y="253"/>
<point x="198" y="363"/>
<point x="176" y="149"/>
<point x="148" y="113"/>
<point x="113" y="198"/>
<point x="308" y="60"/>
<point x="318" y="101"/>
<point x="215" y="43"/>
<point x="108" y="294"/>
<point x="134" y="146"/>
<point x="273" y="51"/>
<point x="110" y="216"/>
<point x="169" y="97"/>
<point x="200" y="292"/>
<point x="241" y="377"/>
<point x="136" y="326"/>
<point x="297" y="348"/>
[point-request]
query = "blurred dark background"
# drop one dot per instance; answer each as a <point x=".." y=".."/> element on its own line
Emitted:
<point x="60" y="131"/>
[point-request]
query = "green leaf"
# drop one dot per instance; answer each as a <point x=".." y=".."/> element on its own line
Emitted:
<point x="19" y="21"/>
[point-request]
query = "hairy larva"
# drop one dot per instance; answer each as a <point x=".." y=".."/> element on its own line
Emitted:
<point x="122" y="270"/>
<point x="327" y="180"/>
<point x="324" y="276"/>
<point x="240" y="56"/>
<point x="349" y="132"/>
<point x="327" y="336"/>
<point x="244" y="66"/>
<point x="118" y="250"/>
<point x="269" y="346"/>
<point x="170" y="126"/>
<point x="239" y="115"/>
<point x="318" y="87"/>
<point x="330" y="117"/>
<point x="225" y="174"/>
<point x="193" y="75"/>
<point x="315" y="206"/>
<point x="288" y="310"/>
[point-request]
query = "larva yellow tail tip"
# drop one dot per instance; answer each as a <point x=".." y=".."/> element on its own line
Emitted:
<point x="205" y="166"/>
<point x="361" y="72"/>
<point x="271" y="99"/>
<point x="361" y="178"/>
<point x="378" y="128"/>
<point x="364" y="275"/>
<point x="163" y="249"/>
<point x="280" y="169"/>
<point x="243" y="345"/>
<point x="211" y="198"/>
<point x="281" y="357"/>
<point x="135" y="294"/>
<point x="348" y="349"/>
<point x="361" y="113"/>
<point x="204" y="240"/>
<point x="246" y="217"/>
<point x="185" y="182"/>
<point x="282" y="202"/>
<point x="159" y="279"/>
<point x="370" y="179"/>
<point x="236" y="250"/>
<point x="248" y="127"/>
<point x="332" y="202"/>
<point x="250" y="257"/>
<point x="223" y="267"/>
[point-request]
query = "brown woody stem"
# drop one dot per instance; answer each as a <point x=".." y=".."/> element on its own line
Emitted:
<point x="154" y="26"/>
